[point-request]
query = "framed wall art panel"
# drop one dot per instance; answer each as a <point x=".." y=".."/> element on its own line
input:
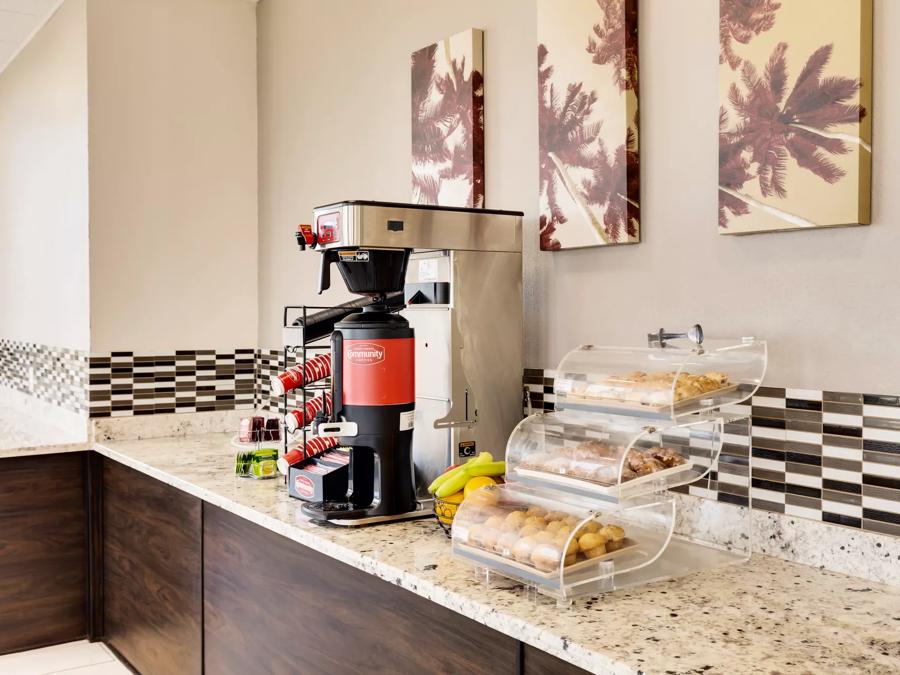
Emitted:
<point x="588" y="123"/>
<point x="795" y="114"/>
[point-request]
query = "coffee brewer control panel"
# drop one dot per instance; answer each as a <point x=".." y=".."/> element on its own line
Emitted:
<point x="328" y="228"/>
<point x="368" y="224"/>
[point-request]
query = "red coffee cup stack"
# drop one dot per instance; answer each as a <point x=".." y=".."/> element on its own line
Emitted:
<point x="314" y="447"/>
<point x="313" y="370"/>
<point x="299" y="418"/>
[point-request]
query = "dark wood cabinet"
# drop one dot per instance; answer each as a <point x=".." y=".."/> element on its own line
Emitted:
<point x="537" y="662"/>
<point x="152" y="588"/>
<point x="92" y="548"/>
<point x="43" y="551"/>
<point x="275" y="606"/>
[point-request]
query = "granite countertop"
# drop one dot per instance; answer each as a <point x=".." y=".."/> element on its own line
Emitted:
<point x="22" y="434"/>
<point x="765" y="616"/>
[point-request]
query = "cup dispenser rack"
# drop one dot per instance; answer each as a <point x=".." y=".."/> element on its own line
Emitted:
<point x="590" y="502"/>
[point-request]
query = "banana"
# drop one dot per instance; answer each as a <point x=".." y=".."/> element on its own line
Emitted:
<point x="444" y="477"/>
<point x="483" y="458"/>
<point x="453" y="485"/>
<point x="487" y="469"/>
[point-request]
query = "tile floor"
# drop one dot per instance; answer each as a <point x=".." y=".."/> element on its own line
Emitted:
<point x="73" y="658"/>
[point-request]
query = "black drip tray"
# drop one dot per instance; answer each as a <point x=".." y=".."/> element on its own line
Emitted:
<point x="330" y="510"/>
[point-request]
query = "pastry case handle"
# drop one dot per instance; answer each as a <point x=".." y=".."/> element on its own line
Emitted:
<point x="661" y="337"/>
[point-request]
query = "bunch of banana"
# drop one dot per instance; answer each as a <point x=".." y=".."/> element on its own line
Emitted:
<point x="455" y="478"/>
<point x="458" y="482"/>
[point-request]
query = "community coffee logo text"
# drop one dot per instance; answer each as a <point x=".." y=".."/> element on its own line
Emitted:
<point x="365" y="354"/>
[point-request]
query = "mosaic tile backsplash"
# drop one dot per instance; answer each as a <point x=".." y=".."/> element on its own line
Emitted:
<point x="56" y="375"/>
<point x="125" y="383"/>
<point x="822" y="455"/>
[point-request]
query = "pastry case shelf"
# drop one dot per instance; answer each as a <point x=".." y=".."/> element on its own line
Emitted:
<point x="567" y="547"/>
<point x="608" y="457"/>
<point x="660" y="382"/>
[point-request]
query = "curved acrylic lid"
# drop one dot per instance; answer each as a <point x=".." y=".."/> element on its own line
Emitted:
<point x="563" y="547"/>
<point x="607" y="457"/>
<point x="660" y="382"/>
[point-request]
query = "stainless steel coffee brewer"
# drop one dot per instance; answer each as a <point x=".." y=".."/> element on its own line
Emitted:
<point x="462" y="283"/>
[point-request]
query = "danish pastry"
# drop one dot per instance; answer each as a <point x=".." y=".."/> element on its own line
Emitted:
<point x="654" y="388"/>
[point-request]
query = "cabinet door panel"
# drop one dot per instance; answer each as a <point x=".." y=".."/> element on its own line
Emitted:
<point x="43" y="551"/>
<point x="151" y="577"/>
<point x="536" y="662"/>
<point x="275" y="606"/>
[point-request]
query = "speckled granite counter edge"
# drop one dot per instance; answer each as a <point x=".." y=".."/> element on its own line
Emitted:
<point x="50" y="449"/>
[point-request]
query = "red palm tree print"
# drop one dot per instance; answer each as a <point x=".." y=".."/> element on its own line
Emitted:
<point x="775" y="126"/>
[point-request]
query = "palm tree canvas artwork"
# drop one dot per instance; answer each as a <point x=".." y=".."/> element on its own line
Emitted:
<point x="795" y="115"/>
<point x="588" y="123"/>
<point x="448" y="122"/>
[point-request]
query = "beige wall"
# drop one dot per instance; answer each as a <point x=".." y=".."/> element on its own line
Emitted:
<point x="173" y="174"/>
<point x="334" y="111"/>
<point x="44" y="186"/>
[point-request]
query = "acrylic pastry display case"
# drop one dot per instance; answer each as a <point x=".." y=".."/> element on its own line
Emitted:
<point x="588" y="505"/>
<point x="609" y="457"/>
<point x="660" y="382"/>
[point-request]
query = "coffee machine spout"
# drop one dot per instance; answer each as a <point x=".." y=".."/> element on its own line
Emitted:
<point x="328" y="256"/>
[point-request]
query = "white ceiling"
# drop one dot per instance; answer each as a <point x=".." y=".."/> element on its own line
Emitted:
<point x="19" y="21"/>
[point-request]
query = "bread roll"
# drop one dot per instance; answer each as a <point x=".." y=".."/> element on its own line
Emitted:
<point x="514" y="520"/>
<point x="536" y="511"/>
<point x="595" y="552"/>
<point x="523" y="548"/>
<point x="612" y="532"/>
<point x="506" y="542"/>
<point x="530" y="530"/>
<point x="592" y="540"/>
<point x="546" y="557"/>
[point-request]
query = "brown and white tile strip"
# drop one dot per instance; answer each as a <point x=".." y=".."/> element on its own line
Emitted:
<point x="126" y="383"/>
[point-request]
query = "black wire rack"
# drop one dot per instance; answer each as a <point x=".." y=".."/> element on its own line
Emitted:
<point x="301" y="352"/>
